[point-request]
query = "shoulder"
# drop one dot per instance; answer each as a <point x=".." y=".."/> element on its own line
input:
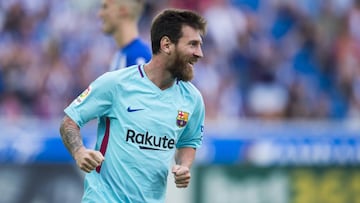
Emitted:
<point x="117" y="76"/>
<point x="140" y="47"/>
<point x="141" y="43"/>
<point x="189" y="89"/>
<point x="138" y="52"/>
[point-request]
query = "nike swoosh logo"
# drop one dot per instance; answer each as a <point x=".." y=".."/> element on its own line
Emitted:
<point x="129" y="109"/>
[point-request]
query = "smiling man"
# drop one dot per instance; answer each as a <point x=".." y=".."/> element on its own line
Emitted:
<point x="148" y="115"/>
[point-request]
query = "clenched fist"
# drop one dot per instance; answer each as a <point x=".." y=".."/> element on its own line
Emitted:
<point x="88" y="159"/>
<point x="182" y="176"/>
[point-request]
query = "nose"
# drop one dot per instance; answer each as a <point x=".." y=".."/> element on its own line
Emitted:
<point x="199" y="53"/>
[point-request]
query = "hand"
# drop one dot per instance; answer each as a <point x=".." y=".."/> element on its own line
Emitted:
<point x="87" y="159"/>
<point x="182" y="176"/>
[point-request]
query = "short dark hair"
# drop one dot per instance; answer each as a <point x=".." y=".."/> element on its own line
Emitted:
<point x="169" y="23"/>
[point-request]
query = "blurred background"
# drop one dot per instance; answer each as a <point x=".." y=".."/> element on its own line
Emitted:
<point x="280" y="81"/>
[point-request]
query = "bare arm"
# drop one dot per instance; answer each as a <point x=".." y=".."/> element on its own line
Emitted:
<point x="86" y="159"/>
<point x="184" y="158"/>
<point x="70" y="135"/>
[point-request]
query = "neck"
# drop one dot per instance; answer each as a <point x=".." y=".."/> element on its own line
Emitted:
<point x="126" y="34"/>
<point x="156" y="71"/>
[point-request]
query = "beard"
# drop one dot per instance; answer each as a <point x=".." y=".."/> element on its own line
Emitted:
<point x="181" y="69"/>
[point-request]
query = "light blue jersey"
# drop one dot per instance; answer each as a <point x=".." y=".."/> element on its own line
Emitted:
<point x="139" y="128"/>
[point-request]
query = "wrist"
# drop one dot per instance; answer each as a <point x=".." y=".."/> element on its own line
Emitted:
<point x="77" y="151"/>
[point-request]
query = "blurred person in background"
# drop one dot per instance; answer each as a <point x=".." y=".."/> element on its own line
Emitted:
<point x="120" y="20"/>
<point x="147" y="114"/>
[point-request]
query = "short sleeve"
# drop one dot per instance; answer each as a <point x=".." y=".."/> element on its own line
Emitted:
<point x="95" y="101"/>
<point x="193" y="134"/>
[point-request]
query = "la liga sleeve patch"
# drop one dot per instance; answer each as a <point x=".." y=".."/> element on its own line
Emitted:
<point x="83" y="96"/>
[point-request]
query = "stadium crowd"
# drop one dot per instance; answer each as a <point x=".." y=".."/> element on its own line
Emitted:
<point x="265" y="59"/>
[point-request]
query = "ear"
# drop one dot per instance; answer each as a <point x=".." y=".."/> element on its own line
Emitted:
<point x="165" y="45"/>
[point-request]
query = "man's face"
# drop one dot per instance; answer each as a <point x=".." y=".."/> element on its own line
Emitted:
<point x="186" y="53"/>
<point x="108" y="13"/>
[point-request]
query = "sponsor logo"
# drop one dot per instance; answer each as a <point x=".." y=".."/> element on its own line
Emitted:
<point x="150" y="142"/>
<point x="182" y="118"/>
<point x="82" y="96"/>
<point x="129" y="109"/>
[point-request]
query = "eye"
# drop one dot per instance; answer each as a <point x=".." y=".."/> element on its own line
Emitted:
<point x="194" y="43"/>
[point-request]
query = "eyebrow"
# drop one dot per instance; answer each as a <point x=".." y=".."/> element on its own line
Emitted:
<point x="196" y="41"/>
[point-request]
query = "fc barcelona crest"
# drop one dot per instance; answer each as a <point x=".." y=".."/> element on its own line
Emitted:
<point x="182" y="118"/>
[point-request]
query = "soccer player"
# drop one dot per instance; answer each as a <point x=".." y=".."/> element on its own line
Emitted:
<point x="120" y="20"/>
<point x="148" y="114"/>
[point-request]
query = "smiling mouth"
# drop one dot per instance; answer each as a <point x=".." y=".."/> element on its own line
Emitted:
<point x="192" y="62"/>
